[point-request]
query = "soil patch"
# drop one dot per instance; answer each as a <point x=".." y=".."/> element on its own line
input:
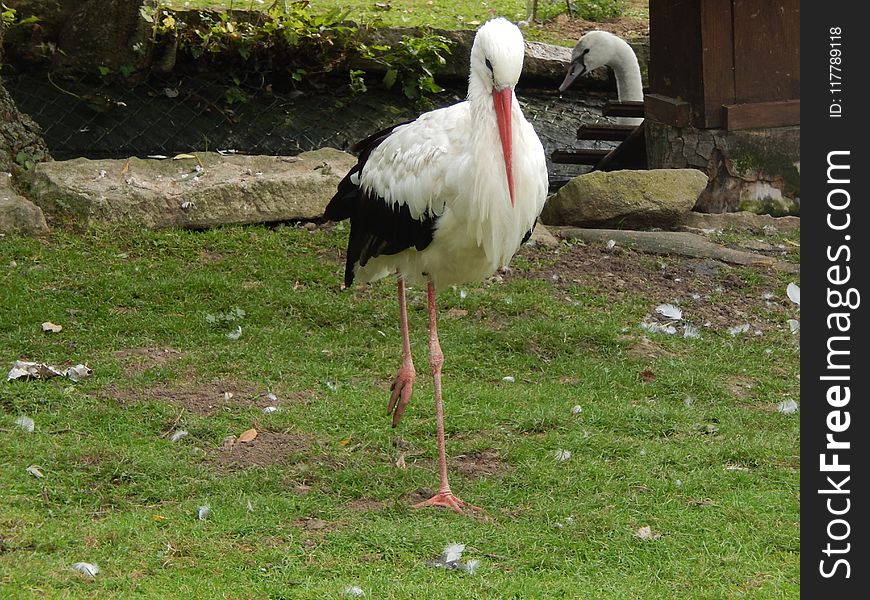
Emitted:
<point x="268" y="448"/>
<point x="365" y="505"/>
<point x="574" y="27"/>
<point x="740" y="387"/>
<point x="645" y="348"/>
<point x="482" y="463"/>
<point x="139" y="360"/>
<point x="711" y="294"/>
<point x="208" y="398"/>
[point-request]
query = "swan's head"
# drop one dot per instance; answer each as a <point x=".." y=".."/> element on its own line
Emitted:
<point x="595" y="49"/>
<point x="496" y="63"/>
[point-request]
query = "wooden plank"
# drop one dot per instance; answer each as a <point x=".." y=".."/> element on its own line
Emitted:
<point x="675" y="49"/>
<point x="583" y="156"/>
<point x="717" y="58"/>
<point x="615" y="133"/>
<point x="627" y="108"/>
<point x="766" y="50"/>
<point x="762" y="114"/>
<point x="630" y="154"/>
<point x="668" y="110"/>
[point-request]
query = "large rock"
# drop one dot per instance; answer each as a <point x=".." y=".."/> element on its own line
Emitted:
<point x="625" y="198"/>
<point x="17" y="214"/>
<point x="204" y="190"/>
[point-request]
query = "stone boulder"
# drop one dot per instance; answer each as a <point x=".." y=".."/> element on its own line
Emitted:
<point x="17" y="214"/>
<point x="189" y="191"/>
<point x="657" y="198"/>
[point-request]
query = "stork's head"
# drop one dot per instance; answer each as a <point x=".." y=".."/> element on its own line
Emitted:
<point x="496" y="64"/>
<point x="595" y="49"/>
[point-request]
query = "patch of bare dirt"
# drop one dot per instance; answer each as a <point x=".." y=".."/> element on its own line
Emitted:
<point x="139" y="360"/>
<point x="314" y="524"/>
<point x="208" y="398"/>
<point x="711" y="294"/>
<point x="268" y="448"/>
<point x="574" y="27"/>
<point x="644" y="348"/>
<point x="365" y="505"/>
<point x="740" y="387"/>
<point x="482" y="463"/>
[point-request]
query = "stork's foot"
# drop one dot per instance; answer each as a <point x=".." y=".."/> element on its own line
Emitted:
<point x="400" y="392"/>
<point x="448" y="500"/>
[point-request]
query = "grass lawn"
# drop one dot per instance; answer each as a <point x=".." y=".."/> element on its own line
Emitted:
<point x="442" y="14"/>
<point x="681" y="435"/>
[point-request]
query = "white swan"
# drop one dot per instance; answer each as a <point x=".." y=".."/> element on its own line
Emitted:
<point x="600" y="48"/>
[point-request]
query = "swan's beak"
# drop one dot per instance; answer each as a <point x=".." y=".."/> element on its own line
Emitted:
<point x="502" y="100"/>
<point x="576" y="70"/>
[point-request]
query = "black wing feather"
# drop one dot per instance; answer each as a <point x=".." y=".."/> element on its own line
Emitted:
<point x="376" y="228"/>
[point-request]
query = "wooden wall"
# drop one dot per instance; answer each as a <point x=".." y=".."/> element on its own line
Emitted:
<point x="731" y="64"/>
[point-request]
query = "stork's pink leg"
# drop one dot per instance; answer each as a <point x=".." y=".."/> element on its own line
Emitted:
<point x="403" y="384"/>
<point x="444" y="497"/>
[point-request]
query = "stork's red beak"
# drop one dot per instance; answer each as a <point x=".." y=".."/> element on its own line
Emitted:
<point x="502" y="100"/>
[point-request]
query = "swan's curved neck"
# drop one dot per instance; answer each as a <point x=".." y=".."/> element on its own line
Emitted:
<point x="625" y="67"/>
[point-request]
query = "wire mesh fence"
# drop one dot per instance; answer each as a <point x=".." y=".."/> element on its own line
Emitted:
<point x="100" y="118"/>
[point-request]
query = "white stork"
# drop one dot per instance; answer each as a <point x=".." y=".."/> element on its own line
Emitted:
<point x="445" y="199"/>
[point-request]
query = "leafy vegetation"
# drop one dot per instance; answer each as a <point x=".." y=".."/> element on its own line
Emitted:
<point x="313" y="44"/>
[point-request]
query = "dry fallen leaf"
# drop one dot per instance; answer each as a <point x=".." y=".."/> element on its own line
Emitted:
<point x="647" y="376"/>
<point x="247" y="436"/>
<point x="50" y="327"/>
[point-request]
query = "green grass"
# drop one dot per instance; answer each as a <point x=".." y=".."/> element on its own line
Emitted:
<point x="442" y="14"/>
<point x="117" y="494"/>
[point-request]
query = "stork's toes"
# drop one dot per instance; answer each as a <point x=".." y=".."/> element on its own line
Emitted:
<point x="448" y="500"/>
<point x="400" y="393"/>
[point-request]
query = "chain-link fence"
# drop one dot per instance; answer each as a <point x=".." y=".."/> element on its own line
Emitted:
<point x="98" y="118"/>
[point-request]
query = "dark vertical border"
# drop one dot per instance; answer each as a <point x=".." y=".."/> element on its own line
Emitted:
<point x="820" y="135"/>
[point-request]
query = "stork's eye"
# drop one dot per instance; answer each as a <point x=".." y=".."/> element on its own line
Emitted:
<point x="586" y="51"/>
<point x="488" y="65"/>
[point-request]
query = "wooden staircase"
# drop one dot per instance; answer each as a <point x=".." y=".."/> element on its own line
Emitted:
<point x="629" y="154"/>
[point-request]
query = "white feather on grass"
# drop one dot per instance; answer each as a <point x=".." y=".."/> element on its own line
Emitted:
<point x="86" y="568"/>
<point x="177" y="435"/>
<point x="453" y="552"/>
<point x="738" y="329"/>
<point x="787" y="407"/>
<point x="691" y="332"/>
<point x="794" y="325"/>
<point x="235" y="334"/>
<point x="25" y="423"/>
<point x="658" y="328"/>
<point x="669" y="311"/>
<point x="34" y="470"/>
<point x="353" y="590"/>
<point x="794" y="293"/>
<point x="203" y="512"/>
<point x="562" y="455"/>
<point x="471" y="566"/>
